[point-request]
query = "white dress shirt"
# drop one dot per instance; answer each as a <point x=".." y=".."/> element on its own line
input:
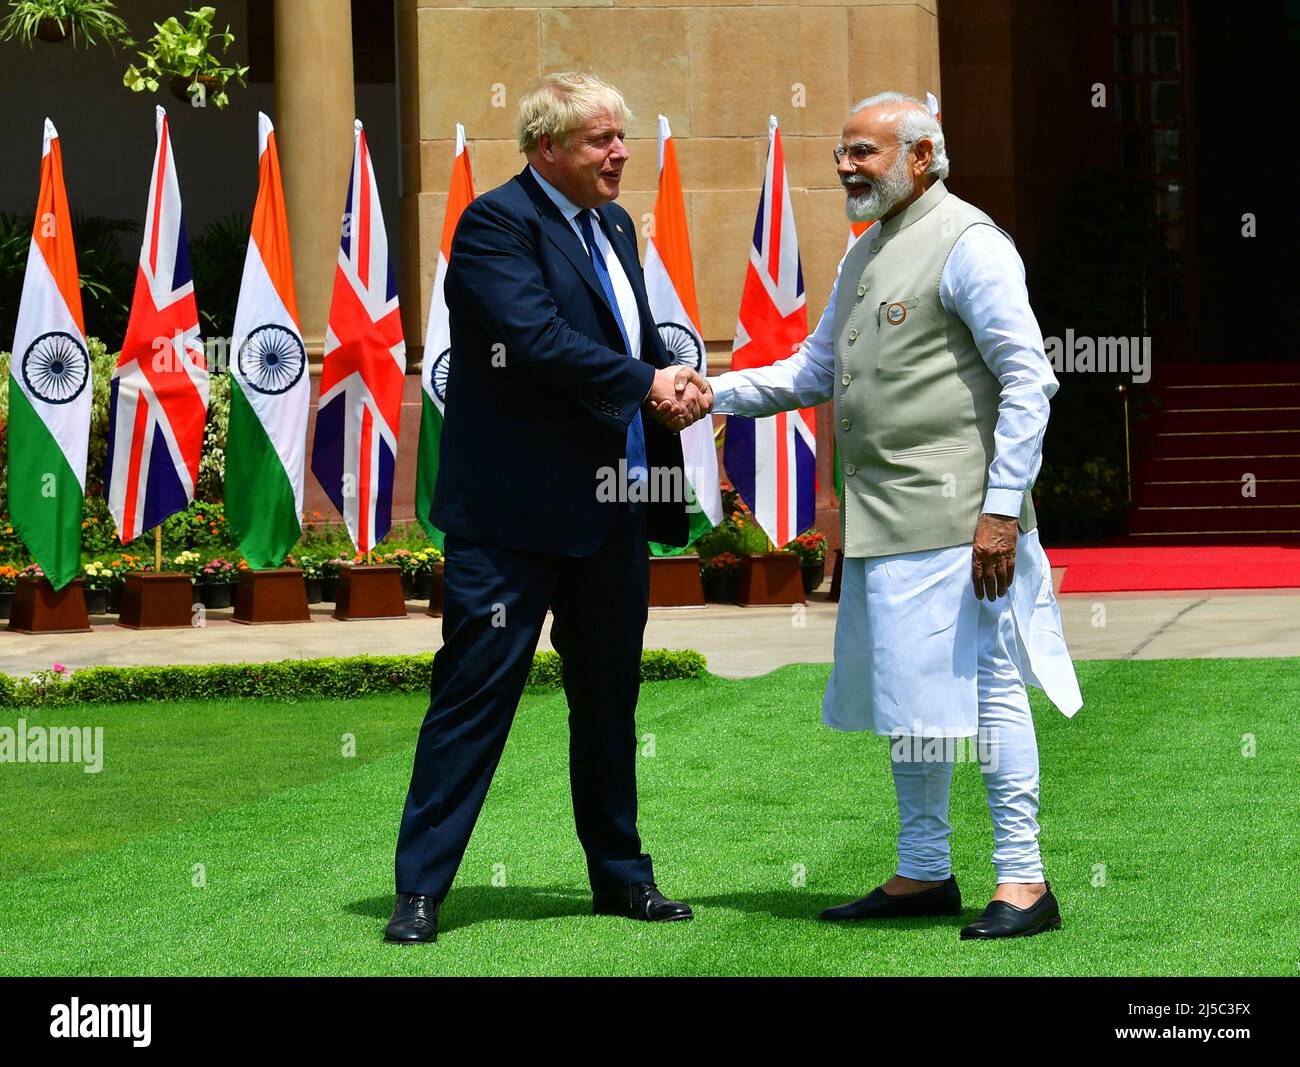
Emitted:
<point x="907" y="651"/>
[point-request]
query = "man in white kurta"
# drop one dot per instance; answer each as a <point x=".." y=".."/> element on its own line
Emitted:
<point x="936" y="643"/>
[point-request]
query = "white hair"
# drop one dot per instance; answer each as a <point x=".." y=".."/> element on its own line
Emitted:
<point x="915" y="123"/>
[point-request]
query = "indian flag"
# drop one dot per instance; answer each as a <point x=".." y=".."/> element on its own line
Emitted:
<point x="269" y="389"/>
<point x="437" y="344"/>
<point x="49" y="386"/>
<point x="670" y="286"/>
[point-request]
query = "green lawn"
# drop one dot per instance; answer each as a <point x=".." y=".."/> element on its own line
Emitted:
<point x="744" y="788"/>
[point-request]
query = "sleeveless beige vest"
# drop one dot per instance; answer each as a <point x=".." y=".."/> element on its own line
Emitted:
<point x="915" y="404"/>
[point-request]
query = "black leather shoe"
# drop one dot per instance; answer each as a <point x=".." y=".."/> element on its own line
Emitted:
<point x="640" y="900"/>
<point x="1002" y="919"/>
<point x="414" y="921"/>
<point x="942" y="899"/>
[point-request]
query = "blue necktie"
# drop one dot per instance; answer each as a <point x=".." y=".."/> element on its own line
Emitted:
<point x="635" y="431"/>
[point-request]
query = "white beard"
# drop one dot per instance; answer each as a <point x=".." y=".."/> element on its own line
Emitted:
<point x="894" y="187"/>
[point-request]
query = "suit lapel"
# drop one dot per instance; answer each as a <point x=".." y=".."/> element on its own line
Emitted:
<point x="560" y="233"/>
<point x="625" y="250"/>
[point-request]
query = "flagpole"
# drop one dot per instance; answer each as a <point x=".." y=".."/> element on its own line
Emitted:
<point x="157" y="548"/>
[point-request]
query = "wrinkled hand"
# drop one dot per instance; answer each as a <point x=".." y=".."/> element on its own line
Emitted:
<point x="993" y="555"/>
<point x="678" y="397"/>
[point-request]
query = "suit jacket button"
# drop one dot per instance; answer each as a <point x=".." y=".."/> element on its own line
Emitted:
<point x="845" y="424"/>
<point x="846" y="379"/>
<point x="853" y="334"/>
<point x="862" y="290"/>
<point x="875" y="246"/>
<point x="850" y="470"/>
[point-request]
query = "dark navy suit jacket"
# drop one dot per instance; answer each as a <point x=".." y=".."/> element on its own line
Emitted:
<point x="540" y="389"/>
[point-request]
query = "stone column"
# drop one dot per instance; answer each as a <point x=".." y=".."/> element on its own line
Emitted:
<point x="315" y="108"/>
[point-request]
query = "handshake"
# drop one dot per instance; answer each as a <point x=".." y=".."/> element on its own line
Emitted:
<point x="678" y="397"/>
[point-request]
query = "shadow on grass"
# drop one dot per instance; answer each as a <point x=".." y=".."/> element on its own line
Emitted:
<point x="482" y="903"/>
<point x="797" y="905"/>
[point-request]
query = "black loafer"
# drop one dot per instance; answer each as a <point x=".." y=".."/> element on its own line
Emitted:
<point x="640" y="900"/>
<point x="1002" y="919"/>
<point x="942" y="899"/>
<point x="414" y="921"/>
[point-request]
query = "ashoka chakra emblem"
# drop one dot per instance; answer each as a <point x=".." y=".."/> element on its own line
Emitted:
<point x="683" y="348"/>
<point x="272" y="359"/>
<point x="56" y="367"/>
<point x="439" y="375"/>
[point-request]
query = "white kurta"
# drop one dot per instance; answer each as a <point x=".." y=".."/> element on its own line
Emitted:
<point x="906" y="648"/>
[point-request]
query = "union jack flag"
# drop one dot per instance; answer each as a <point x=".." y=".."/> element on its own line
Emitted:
<point x="772" y="461"/>
<point x="159" y="399"/>
<point x="355" y="448"/>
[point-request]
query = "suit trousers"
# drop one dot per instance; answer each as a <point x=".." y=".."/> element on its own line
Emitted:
<point x="494" y="605"/>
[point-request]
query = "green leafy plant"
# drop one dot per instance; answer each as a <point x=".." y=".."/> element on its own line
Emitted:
<point x="289" y="680"/>
<point x="217" y="258"/>
<point x="218" y="571"/>
<point x="98" y="575"/>
<point x="184" y="54"/>
<point x="810" y="547"/>
<point x="90" y="21"/>
<point x="722" y="563"/>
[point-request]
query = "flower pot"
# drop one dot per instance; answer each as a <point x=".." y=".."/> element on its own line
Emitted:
<point x="408" y="586"/>
<point x="315" y="594"/>
<point x="96" y="601"/>
<point x="115" y="599"/>
<point x="812" y="574"/>
<point x="51" y="31"/>
<point x="329" y="588"/>
<point x="217" y="595"/>
<point x="422" y="585"/>
<point x="6" y="602"/>
<point x="720" y="587"/>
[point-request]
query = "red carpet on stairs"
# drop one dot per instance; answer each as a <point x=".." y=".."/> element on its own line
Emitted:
<point x="1218" y="462"/>
<point x="1113" y="570"/>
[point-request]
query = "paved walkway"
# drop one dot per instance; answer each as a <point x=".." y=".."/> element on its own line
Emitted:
<point x="739" y="642"/>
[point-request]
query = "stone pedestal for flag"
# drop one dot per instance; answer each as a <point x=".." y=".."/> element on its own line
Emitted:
<point x="274" y="595"/>
<point x="157" y="601"/>
<point x="370" y="591"/>
<point x="39" y="608"/>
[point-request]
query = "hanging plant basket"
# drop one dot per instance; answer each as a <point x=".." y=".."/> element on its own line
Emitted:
<point x="180" y="85"/>
<point x="51" y="31"/>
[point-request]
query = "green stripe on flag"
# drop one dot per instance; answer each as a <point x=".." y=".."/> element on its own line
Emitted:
<point x="45" y="497"/>
<point x="426" y="469"/>
<point x="700" y="525"/>
<point x="260" y="505"/>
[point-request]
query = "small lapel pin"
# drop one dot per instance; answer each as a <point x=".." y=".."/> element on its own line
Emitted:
<point x="618" y="227"/>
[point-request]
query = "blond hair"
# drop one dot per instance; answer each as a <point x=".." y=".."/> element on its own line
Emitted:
<point x="561" y="102"/>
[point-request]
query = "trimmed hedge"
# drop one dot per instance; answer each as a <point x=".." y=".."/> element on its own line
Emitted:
<point x="295" y="679"/>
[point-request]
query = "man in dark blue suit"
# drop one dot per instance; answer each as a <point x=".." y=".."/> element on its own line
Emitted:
<point x="558" y="386"/>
